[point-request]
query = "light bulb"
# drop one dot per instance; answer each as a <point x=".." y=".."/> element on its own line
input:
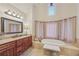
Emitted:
<point x="21" y="17"/>
<point x="18" y="16"/>
<point x="9" y="12"/>
<point x="14" y="14"/>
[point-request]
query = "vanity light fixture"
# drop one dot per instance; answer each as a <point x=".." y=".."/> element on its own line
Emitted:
<point x="8" y="12"/>
<point x="18" y="16"/>
<point x="21" y="17"/>
<point x="13" y="14"/>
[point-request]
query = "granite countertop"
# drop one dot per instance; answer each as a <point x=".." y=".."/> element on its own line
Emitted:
<point x="3" y="41"/>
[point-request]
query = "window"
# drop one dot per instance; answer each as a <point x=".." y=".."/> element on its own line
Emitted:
<point x="39" y="30"/>
<point x="46" y="30"/>
<point x="51" y="30"/>
<point x="51" y="9"/>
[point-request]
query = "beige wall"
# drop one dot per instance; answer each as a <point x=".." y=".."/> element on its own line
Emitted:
<point x="77" y="33"/>
<point x="4" y="7"/>
<point x="27" y="17"/>
<point x="40" y="12"/>
<point x="29" y="20"/>
<point x="64" y="10"/>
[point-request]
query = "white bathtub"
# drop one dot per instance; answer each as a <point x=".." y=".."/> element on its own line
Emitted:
<point x="58" y="43"/>
<point x="53" y="42"/>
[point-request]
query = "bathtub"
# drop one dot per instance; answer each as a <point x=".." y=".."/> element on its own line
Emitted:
<point x="59" y="43"/>
<point x="53" y="42"/>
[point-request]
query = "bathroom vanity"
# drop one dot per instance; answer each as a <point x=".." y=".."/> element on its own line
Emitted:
<point x="15" y="46"/>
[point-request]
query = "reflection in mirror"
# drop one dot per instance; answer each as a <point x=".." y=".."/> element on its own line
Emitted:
<point x="11" y="26"/>
<point x="0" y="26"/>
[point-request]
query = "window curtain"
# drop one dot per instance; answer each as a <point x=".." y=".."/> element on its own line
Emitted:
<point x="61" y="27"/>
<point x="70" y="30"/>
<point x="47" y="30"/>
<point x="51" y="30"/>
<point x="39" y="30"/>
<point x="63" y="30"/>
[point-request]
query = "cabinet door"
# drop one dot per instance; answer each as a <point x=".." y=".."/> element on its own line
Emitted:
<point x="19" y="46"/>
<point x="30" y="41"/>
<point x="19" y="50"/>
<point x="3" y="52"/>
<point x="8" y="49"/>
<point x="3" y="49"/>
<point x="11" y="52"/>
<point x="25" y="43"/>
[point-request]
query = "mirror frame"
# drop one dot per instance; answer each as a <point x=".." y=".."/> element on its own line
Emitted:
<point x="2" y="25"/>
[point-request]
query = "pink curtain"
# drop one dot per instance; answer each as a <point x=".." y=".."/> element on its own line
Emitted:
<point x="70" y="30"/>
<point x="46" y="30"/>
<point x="51" y="30"/>
<point x="61" y="28"/>
<point x="39" y="30"/>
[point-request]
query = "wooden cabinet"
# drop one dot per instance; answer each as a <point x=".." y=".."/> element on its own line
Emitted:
<point x="8" y="49"/>
<point x="19" y="46"/>
<point x="3" y="52"/>
<point x="15" y="48"/>
<point x="11" y="50"/>
<point x="23" y="44"/>
<point x="30" y="40"/>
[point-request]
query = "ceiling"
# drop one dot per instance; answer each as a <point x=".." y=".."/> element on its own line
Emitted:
<point x="24" y="7"/>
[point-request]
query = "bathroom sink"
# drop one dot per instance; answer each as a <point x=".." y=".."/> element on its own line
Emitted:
<point x="17" y="36"/>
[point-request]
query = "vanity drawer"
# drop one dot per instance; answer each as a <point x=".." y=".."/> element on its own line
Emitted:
<point x="3" y="52"/>
<point x="4" y="46"/>
<point x="12" y="44"/>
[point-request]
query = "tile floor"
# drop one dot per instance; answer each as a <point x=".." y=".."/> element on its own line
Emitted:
<point x="35" y="50"/>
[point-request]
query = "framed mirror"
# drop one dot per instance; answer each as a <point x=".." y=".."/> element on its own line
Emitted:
<point x="9" y="26"/>
<point x="0" y="27"/>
